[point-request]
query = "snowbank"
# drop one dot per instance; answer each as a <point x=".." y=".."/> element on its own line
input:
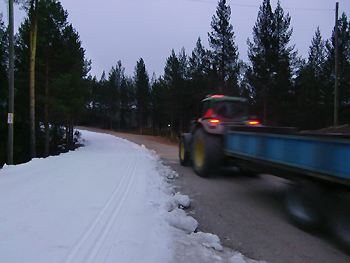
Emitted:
<point x="110" y="201"/>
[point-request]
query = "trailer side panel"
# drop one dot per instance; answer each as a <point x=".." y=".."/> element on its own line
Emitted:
<point x="311" y="155"/>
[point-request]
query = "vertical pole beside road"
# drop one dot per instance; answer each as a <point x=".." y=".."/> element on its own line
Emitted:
<point x="10" y="115"/>
<point x="336" y="34"/>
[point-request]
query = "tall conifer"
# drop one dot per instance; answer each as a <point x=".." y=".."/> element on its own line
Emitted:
<point x="311" y="87"/>
<point x="343" y="66"/>
<point x="142" y="93"/>
<point x="272" y="62"/>
<point x="225" y="52"/>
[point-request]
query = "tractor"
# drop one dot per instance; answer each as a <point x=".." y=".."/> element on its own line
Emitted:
<point x="203" y="145"/>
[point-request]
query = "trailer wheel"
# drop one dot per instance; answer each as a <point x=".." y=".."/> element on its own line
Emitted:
<point x="184" y="154"/>
<point x="340" y="223"/>
<point x="206" y="152"/>
<point x="302" y="205"/>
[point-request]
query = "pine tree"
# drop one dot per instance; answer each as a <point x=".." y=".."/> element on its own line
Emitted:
<point x="114" y="84"/>
<point x="51" y="23"/>
<point x="225" y="52"/>
<point x="184" y="92"/>
<point x="103" y="99"/>
<point x="343" y="66"/>
<point x="272" y="63"/>
<point x="127" y="101"/>
<point x="159" y="104"/>
<point x="70" y="83"/>
<point x="61" y="90"/>
<point x="142" y="91"/>
<point x="198" y="71"/>
<point x="175" y="72"/>
<point x="172" y="78"/>
<point x="311" y="87"/>
<point x="91" y="113"/>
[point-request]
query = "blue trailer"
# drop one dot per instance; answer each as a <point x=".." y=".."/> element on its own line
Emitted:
<point x="323" y="157"/>
<point x="318" y="166"/>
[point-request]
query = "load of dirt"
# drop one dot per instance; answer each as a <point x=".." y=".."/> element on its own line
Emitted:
<point x="343" y="129"/>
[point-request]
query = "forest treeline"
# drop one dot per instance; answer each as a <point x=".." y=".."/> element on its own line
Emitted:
<point x="283" y="88"/>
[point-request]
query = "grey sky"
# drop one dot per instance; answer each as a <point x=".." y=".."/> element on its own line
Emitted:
<point x="113" y="30"/>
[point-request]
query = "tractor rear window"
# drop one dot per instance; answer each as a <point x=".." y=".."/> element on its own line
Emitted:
<point x="205" y="107"/>
<point x="231" y="109"/>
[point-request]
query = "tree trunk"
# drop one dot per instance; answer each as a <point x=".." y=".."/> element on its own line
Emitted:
<point x="67" y="135"/>
<point x="140" y="120"/>
<point x="33" y="41"/>
<point x="119" y="116"/>
<point x="111" y="118"/>
<point x="47" y="128"/>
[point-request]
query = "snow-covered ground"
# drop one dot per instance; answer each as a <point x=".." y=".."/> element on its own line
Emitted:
<point x="110" y="201"/>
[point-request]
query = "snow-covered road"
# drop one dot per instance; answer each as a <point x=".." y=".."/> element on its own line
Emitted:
<point x="110" y="201"/>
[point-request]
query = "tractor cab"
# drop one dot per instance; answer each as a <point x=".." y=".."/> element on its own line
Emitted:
<point x="220" y="110"/>
<point x="224" y="108"/>
<point x="204" y="143"/>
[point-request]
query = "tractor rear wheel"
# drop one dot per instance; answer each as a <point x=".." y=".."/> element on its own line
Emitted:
<point x="206" y="152"/>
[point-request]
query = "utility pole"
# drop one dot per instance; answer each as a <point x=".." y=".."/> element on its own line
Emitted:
<point x="336" y="34"/>
<point x="11" y="88"/>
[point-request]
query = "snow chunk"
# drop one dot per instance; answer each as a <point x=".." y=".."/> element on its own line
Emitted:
<point x="208" y="240"/>
<point x="168" y="189"/>
<point x="238" y="258"/>
<point x="170" y="206"/>
<point x="167" y="172"/>
<point x="178" y="218"/>
<point x="182" y="200"/>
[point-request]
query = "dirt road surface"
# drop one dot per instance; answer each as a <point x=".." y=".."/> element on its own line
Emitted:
<point x="246" y="213"/>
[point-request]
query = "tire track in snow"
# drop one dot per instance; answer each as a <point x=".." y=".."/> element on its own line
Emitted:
<point x="106" y="217"/>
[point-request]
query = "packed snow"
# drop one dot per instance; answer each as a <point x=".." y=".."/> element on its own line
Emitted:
<point x="109" y="201"/>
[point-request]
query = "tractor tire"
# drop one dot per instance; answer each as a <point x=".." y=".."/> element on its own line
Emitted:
<point x="303" y="205"/>
<point x="207" y="152"/>
<point x="184" y="154"/>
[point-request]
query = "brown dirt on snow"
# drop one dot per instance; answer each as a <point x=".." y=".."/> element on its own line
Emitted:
<point x="343" y="129"/>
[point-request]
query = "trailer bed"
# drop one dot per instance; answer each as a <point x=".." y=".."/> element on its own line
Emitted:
<point x="321" y="156"/>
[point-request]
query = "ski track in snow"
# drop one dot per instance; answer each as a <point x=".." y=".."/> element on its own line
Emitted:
<point x="98" y="230"/>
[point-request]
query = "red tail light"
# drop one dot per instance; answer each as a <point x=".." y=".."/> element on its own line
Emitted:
<point x="254" y="122"/>
<point x="217" y="96"/>
<point x="214" y="121"/>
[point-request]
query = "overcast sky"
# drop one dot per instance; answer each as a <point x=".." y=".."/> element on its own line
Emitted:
<point x="112" y="30"/>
